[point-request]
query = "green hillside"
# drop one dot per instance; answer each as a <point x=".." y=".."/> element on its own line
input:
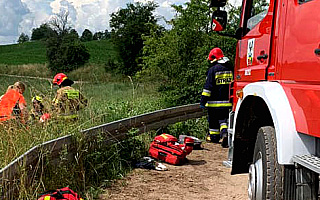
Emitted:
<point x="35" y="52"/>
<point x="26" y="53"/>
<point x="100" y="51"/>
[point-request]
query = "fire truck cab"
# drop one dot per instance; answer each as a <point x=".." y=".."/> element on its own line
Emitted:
<point x="274" y="127"/>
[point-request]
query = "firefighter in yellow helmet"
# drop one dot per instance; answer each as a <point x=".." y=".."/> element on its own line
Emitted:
<point x="68" y="101"/>
<point x="39" y="112"/>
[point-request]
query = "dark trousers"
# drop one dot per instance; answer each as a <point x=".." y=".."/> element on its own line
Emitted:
<point x="218" y="119"/>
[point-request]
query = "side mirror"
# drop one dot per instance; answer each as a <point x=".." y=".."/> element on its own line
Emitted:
<point x="219" y="20"/>
<point x="217" y="3"/>
<point x="238" y="34"/>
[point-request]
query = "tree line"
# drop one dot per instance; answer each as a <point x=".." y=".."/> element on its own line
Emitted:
<point x="175" y="57"/>
<point x="42" y="33"/>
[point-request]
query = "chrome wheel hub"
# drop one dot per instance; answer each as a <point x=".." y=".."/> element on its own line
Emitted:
<point x="255" y="182"/>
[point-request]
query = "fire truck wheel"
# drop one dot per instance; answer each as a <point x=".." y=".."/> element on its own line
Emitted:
<point x="265" y="173"/>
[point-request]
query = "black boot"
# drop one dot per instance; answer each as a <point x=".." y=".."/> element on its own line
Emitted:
<point x="215" y="138"/>
<point x="224" y="136"/>
<point x="224" y="143"/>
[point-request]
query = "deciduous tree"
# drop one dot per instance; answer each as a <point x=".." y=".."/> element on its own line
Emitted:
<point x="86" y="35"/>
<point x="65" y="52"/>
<point x="43" y="32"/>
<point x="23" y="38"/>
<point x="107" y="34"/>
<point x="128" y="26"/>
<point x="98" y="35"/>
<point x="178" y="56"/>
<point x="74" y="33"/>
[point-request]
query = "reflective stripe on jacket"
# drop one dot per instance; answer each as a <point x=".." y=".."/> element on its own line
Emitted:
<point x="218" y="104"/>
<point x="215" y="92"/>
<point x="68" y="101"/>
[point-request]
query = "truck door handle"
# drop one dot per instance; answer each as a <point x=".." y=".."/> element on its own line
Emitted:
<point x="264" y="56"/>
<point x="317" y="52"/>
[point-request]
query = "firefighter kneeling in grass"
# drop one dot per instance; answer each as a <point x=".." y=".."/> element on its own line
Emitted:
<point x="39" y="113"/>
<point x="68" y="101"/>
<point x="215" y="96"/>
<point x="13" y="107"/>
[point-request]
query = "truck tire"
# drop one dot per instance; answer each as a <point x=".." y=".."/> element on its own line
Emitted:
<point x="268" y="180"/>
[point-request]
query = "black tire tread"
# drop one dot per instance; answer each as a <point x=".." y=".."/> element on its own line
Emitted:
<point x="275" y="172"/>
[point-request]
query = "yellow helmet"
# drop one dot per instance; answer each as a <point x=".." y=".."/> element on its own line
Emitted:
<point x="37" y="98"/>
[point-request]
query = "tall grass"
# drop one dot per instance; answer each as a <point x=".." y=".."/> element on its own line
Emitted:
<point x="32" y="70"/>
<point x="88" y="73"/>
<point x="94" y="168"/>
<point x="107" y="102"/>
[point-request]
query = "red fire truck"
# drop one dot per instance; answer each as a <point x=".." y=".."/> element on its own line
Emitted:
<point x="274" y="129"/>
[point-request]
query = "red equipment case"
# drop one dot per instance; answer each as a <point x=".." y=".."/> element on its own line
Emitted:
<point x="64" y="193"/>
<point x="165" y="147"/>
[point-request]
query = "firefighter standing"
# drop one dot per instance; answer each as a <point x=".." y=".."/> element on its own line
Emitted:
<point x="13" y="104"/>
<point x="68" y="101"/>
<point x="215" y="96"/>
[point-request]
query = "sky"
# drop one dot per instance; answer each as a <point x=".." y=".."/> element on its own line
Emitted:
<point x="21" y="16"/>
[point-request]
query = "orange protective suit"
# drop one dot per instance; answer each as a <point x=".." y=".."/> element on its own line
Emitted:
<point x="12" y="106"/>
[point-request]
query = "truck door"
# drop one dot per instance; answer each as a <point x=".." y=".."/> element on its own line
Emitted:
<point x="301" y="64"/>
<point x="254" y="45"/>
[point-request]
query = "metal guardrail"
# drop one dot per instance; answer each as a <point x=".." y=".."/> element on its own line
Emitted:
<point x="29" y="163"/>
<point x="117" y="130"/>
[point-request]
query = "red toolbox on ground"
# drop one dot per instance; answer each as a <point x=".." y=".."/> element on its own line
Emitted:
<point x="165" y="147"/>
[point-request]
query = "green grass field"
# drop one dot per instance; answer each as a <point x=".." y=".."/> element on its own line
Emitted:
<point x="35" y="52"/>
<point x="107" y="102"/>
<point x="19" y="54"/>
<point x="111" y="97"/>
<point x="100" y="51"/>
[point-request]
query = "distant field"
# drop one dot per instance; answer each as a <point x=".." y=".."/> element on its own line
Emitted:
<point x="35" y="52"/>
<point x="100" y="51"/>
<point x="19" y="54"/>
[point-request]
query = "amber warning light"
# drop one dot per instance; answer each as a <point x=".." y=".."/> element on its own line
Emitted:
<point x="239" y="94"/>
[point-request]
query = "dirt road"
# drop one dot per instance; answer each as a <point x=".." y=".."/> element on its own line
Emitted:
<point x="202" y="177"/>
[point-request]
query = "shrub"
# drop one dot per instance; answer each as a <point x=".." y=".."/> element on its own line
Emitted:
<point x="179" y="56"/>
<point x="128" y="26"/>
<point x="65" y="52"/>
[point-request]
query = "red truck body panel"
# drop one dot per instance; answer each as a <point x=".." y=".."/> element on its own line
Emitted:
<point x="300" y="67"/>
<point x="289" y="34"/>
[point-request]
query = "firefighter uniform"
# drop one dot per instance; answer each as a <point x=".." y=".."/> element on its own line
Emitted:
<point x="215" y="97"/>
<point x="37" y="109"/>
<point x="67" y="102"/>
